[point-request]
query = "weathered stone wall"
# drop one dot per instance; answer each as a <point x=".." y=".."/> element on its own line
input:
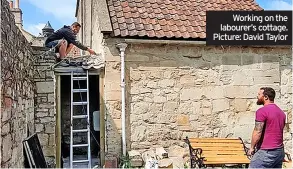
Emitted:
<point x="174" y="91"/>
<point x="44" y="103"/>
<point x="17" y="90"/>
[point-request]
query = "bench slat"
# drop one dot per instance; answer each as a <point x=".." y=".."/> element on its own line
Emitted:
<point x="198" y="145"/>
<point x="228" y="162"/>
<point x="207" y="153"/>
<point x="222" y="148"/>
<point x="199" y="140"/>
<point x="208" y="156"/>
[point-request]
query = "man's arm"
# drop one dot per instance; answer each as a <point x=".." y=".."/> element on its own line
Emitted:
<point x="256" y="134"/>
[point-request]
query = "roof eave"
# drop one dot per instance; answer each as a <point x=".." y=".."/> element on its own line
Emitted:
<point x="76" y="9"/>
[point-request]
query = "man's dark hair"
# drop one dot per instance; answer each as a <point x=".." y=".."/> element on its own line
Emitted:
<point x="76" y="24"/>
<point x="269" y="92"/>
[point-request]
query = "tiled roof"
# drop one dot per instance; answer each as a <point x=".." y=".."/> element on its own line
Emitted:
<point x="168" y="18"/>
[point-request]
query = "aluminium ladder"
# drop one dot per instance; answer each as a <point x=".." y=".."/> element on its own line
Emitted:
<point x="76" y="77"/>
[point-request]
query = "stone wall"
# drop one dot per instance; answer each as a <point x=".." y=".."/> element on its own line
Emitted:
<point x="44" y="103"/>
<point x="174" y="91"/>
<point x="17" y="91"/>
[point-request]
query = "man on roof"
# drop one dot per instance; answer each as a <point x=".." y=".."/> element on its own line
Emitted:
<point x="64" y="39"/>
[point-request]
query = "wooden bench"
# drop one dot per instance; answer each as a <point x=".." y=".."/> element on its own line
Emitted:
<point x="217" y="152"/>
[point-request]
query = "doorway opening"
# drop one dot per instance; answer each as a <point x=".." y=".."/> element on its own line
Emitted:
<point x="80" y="153"/>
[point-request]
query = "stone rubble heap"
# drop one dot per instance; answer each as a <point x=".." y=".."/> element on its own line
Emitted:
<point x="174" y="157"/>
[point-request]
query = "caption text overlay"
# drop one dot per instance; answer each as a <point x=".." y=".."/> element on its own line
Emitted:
<point x="249" y="27"/>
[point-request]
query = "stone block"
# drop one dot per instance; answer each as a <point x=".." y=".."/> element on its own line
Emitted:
<point x="177" y="151"/>
<point x="161" y="153"/>
<point x="244" y="92"/>
<point x="250" y="58"/>
<point x="170" y="106"/>
<point x="5" y="129"/>
<point x="41" y="113"/>
<point x="183" y="120"/>
<point x="187" y="81"/>
<point x="113" y="95"/>
<point x="43" y="139"/>
<point x="286" y="90"/>
<point x="207" y="111"/>
<point x="213" y="92"/>
<point x="137" y="57"/>
<point x="240" y="105"/>
<point x="135" y="158"/>
<point x="231" y="59"/>
<point x="266" y="80"/>
<point x="138" y="134"/>
<point x="190" y="135"/>
<point x="118" y="124"/>
<point x="246" y="118"/>
<point x="242" y="78"/>
<point x="220" y="105"/>
<point x="45" y="87"/>
<point x="185" y="128"/>
<point x="51" y="139"/>
<point x="39" y="128"/>
<point x="112" y="77"/>
<point x="7" y="141"/>
<point x="142" y="107"/>
<point x="178" y="162"/>
<point x="51" y="98"/>
<point x="168" y="63"/>
<point x="191" y="94"/>
<point x="160" y="99"/>
<point x="50" y="128"/>
<point x="166" y="83"/>
<point x="165" y="118"/>
<point x="46" y="119"/>
<point x="165" y="163"/>
<point x="172" y="97"/>
<point x="111" y="162"/>
<point x="49" y="151"/>
<point x="147" y="155"/>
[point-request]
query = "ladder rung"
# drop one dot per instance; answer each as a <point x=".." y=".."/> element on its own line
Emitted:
<point x="79" y="116"/>
<point x="78" y="103"/>
<point x="80" y="145"/>
<point x="79" y="90"/>
<point x="80" y="130"/>
<point x="80" y="161"/>
<point x="79" y="78"/>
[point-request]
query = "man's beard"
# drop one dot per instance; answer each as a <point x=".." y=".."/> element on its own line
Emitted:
<point x="259" y="102"/>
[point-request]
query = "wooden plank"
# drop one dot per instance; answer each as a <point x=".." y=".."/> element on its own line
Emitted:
<point x="207" y="153"/>
<point x="222" y="148"/>
<point x="199" y="145"/>
<point x="102" y="117"/>
<point x="228" y="162"/>
<point x="58" y="121"/>
<point x="215" y="141"/>
<point x="208" y="156"/>
<point x="223" y="158"/>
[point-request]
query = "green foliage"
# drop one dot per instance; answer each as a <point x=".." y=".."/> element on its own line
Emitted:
<point x="125" y="161"/>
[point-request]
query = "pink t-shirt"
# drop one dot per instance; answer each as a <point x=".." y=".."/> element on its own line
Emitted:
<point x="274" y="119"/>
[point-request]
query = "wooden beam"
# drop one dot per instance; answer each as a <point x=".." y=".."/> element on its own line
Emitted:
<point x="102" y="118"/>
<point x="58" y="120"/>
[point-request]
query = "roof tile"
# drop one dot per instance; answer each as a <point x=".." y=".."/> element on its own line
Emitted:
<point x="168" y="18"/>
<point x="121" y="20"/>
<point x="131" y="26"/>
<point x="141" y="33"/>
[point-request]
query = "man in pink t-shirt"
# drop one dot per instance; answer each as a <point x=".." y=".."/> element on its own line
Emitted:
<point x="267" y="137"/>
